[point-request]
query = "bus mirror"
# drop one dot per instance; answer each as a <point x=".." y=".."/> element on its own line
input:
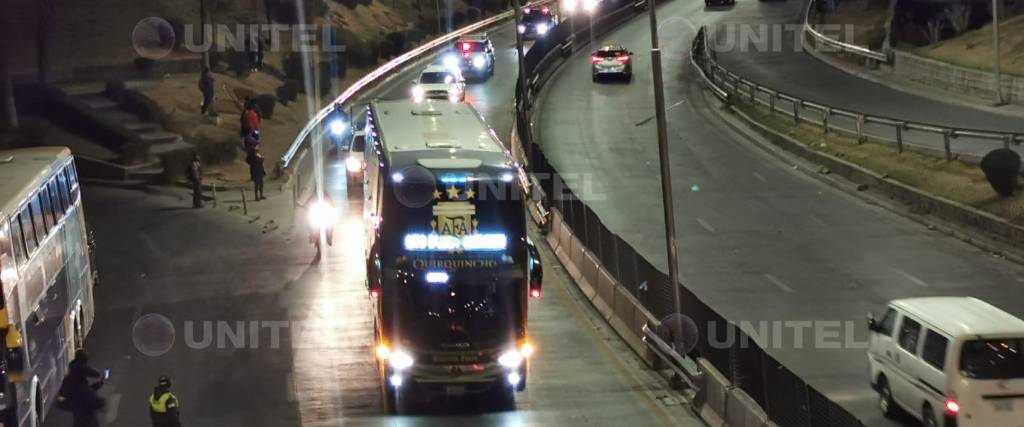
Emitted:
<point x="536" y="270"/>
<point x="872" y="323"/>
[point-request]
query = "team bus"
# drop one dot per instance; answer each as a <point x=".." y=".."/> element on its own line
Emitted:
<point x="46" y="306"/>
<point x="450" y="269"/>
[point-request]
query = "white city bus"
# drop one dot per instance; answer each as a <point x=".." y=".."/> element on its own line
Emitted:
<point x="46" y="308"/>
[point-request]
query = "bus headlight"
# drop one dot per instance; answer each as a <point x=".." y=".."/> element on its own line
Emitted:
<point x="353" y="164"/>
<point x="479" y="61"/>
<point x="322" y="215"/>
<point x="417" y="93"/>
<point x="510" y="359"/>
<point x="542" y="29"/>
<point x="400" y="360"/>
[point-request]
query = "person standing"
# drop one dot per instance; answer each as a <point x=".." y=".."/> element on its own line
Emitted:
<point x="195" y="177"/>
<point x="257" y="172"/>
<point x="243" y="126"/>
<point x="163" y="405"/>
<point x="206" y="87"/>
<point x="251" y="117"/>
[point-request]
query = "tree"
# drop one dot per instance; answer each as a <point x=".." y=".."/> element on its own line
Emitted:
<point x="959" y="15"/>
<point x="933" y="27"/>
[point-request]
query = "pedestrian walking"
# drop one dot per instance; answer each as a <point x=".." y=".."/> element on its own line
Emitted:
<point x="163" y="405"/>
<point x="206" y="87"/>
<point x="252" y="117"/>
<point x="254" y="51"/>
<point x="257" y="172"/>
<point x="195" y="177"/>
<point x="77" y="392"/>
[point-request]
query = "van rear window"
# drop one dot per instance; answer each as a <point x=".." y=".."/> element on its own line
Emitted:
<point x="993" y="359"/>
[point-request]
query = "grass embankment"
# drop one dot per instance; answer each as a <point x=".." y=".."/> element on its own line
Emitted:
<point x="973" y="49"/>
<point x="861" y="23"/>
<point x="954" y="180"/>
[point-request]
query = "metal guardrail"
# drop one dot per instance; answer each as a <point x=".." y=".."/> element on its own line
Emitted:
<point x="679" y="364"/>
<point x="731" y="88"/>
<point x="822" y="39"/>
<point x="385" y="70"/>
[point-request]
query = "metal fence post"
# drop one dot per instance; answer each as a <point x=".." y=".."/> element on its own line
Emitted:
<point x="1006" y="141"/>
<point x="771" y="103"/>
<point x="946" y="134"/>
<point x="753" y="94"/>
<point x="824" y="118"/>
<point x="796" y="111"/>
<point x="213" y="187"/>
<point x="899" y="137"/>
<point x="860" y="129"/>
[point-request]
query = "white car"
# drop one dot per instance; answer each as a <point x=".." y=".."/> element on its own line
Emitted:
<point x="440" y="82"/>
<point x="949" y="361"/>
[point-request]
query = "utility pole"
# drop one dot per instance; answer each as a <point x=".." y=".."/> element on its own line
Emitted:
<point x="202" y="30"/>
<point x="8" y="111"/>
<point x="524" y="92"/>
<point x="44" y="10"/>
<point x="666" y="178"/>
<point x="995" y="53"/>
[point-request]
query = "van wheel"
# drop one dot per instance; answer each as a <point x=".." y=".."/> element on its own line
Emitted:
<point x="928" y="416"/>
<point x="885" y="402"/>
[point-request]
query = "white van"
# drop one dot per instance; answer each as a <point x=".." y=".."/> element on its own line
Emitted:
<point x="949" y="361"/>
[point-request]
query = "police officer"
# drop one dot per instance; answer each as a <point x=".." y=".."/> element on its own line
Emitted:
<point x="163" y="406"/>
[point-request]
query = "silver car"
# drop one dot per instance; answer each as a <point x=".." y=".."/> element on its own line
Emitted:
<point x="611" y="60"/>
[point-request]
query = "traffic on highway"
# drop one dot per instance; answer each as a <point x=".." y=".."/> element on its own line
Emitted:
<point x="468" y="231"/>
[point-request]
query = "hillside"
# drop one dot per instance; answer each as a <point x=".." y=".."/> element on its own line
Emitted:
<point x="973" y="49"/>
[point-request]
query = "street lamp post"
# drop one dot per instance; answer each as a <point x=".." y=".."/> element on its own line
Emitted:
<point x="666" y="179"/>
<point x="995" y="52"/>
<point x="524" y="92"/>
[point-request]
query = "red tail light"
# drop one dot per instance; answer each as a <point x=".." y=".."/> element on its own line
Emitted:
<point x="466" y="46"/>
<point x="374" y="293"/>
<point x="595" y="59"/>
<point x="545" y="11"/>
<point x="952" y="407"/>
<point x="622" y="58"/>
<point x="535" y="294"/>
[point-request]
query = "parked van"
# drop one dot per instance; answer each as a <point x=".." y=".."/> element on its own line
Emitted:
<point x="949" y="361"/>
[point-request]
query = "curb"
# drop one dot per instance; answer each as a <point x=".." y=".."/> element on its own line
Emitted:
<point x="999" y="236"/>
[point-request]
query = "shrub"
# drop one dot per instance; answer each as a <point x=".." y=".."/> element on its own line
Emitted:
<point x="385" y="49"/>
<point x="291" y="64"/>
<point x="365" y="2"/>
<point x="1001" y="167"/>
<point x="175" y="163"/>
<point x="284" y="96"/>
<point x="214" y="151"/>
<point x="495" y="5"/>
<point x="458" y="19"/>
<point x="147" y="68"/>
<point x="351" y="4"/>
<point x="265" y="103"/>
<point x="473" y="14"/>
<point x="414" y="35"/>
<point x="294" y="88"/>
<point x="359" y="53"/>
<point x="399" y="42"/>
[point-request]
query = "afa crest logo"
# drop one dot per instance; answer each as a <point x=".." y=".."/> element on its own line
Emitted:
<point x="454" y="214"/>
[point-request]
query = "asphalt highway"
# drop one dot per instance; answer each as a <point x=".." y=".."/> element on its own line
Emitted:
<point x="759" y="241"/>
<point x="253" y="334"/>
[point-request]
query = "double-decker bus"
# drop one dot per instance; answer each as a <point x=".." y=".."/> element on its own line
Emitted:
<point x="46" y="308"/>
<point x="450" y="269"/>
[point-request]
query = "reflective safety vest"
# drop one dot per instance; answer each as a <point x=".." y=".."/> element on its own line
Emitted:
<point x="160" y="404"/>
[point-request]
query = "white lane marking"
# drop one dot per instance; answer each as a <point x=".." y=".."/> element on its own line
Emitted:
<point x="782" y="286"/>
<point x="818" y="220"/>
<point x="112" y="405"/>
<point x="758" y="176"/>
<point x="911" y="278"/>
<point x="705" y="224"/>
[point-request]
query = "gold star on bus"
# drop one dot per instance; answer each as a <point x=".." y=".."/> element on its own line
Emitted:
<point x="470" y="193"/>
<point x="437" y="194"/>
<point x="453" y="193"/>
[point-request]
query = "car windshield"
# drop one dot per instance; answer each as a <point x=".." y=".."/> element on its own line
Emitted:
<point x="993" y="359"/>
<point x="437" y="77"/>
<point x="536" y="18"/>
<point x="610" y="53"/>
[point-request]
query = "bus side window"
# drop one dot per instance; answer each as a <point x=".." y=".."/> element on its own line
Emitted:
<point x="72" y="181"/>
<point x="62" y="188"/>
<point x="25" y="218"/>
<point x="37" y="219"/>
<point x="18" y="238"/>
<point x="47" y="207"/>
<point x="60" y="204"/>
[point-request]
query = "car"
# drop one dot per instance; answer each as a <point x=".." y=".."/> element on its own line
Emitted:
<point x="948" y="361"/>
<point x="611" y="60"/>
<point x="710" y="3"/>
<point x="536" y="22"/>
<point x="438" y="81"/>
<point x="473" y="55"/>
<point x="355" y="166"/>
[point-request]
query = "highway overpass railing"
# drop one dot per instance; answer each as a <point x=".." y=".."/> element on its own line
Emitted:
<point x="822" y="40"/>
<point x="785" y="398"/>
<point x="950" y="143"/>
